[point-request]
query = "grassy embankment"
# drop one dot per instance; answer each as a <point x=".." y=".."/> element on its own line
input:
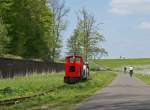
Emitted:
<point x="60" y="99"/>
<point x="115" y="63"/>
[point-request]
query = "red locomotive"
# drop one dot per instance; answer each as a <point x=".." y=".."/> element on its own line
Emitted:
<point x="75" y="69"/>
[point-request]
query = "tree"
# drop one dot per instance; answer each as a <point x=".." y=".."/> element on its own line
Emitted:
<point x="73" y="44"/>
<point x="99" y="53"/>
<point x="29" y="27"/>
<point x="59" y="24"/>
<point x="88" y="35"/>
<point x="3" y="37"/>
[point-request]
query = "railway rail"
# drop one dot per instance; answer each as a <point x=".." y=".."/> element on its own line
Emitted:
<point x="17" y="100"/>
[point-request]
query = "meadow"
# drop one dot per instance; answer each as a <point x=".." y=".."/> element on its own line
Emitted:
<point x="25" y="86"/>
<point x="115" y="63"/>
<point x="60" y="99"/>
<point x="67" y="97"/>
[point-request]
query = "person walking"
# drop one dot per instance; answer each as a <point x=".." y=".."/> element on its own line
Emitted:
<point x="131" y="71"/>
<point x="125" y="69"/>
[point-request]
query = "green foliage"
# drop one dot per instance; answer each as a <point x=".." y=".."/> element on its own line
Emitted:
<point x="59" y="24"/>
<point x="86" y="38"/>
<point x="29" y="26"/>
<point x="73" y="45"/>
<point x="67" y="97"/>
<point x="6" y="91"/>
<point x="4" y="40"/>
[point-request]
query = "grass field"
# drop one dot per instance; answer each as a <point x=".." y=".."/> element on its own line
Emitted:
<point x="68" y="96"/>
<point x="114" y="63"/>
<point x="25" y="86"/>
<point x="144" y="78"/>
<point x="61" y="99"/>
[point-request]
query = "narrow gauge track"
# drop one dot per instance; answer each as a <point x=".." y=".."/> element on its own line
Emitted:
<point x="13" y="101"/>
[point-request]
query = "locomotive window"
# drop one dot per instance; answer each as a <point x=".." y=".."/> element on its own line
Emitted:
<point x="78" y="60"/>
<point x="71" y="60"/>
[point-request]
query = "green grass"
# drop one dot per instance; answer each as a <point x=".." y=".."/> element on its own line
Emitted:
<point x="114" y="63"/>
<point x="25" y="86"/>
<point x="144" y="78"/>
<point x="67" y="97"/>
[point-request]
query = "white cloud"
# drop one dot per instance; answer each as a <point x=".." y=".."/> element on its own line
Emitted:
<point x="144" y="25"/>
<point x="126" y="7"/>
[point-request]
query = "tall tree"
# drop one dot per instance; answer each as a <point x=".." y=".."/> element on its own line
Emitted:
<point x="3" y="38"/>
<point x="73" y="44"/>
<point x="59" y="11"/>
<point x="89" y="36"/>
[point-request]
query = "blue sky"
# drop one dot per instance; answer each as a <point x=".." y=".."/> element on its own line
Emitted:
<point x="126" y="25"/>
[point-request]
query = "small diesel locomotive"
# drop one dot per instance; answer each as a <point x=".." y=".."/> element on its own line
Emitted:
<point x="75" y="69"/>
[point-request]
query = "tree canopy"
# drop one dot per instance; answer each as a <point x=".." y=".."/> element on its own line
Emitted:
<point x="86" y="38"/>
<point x="29" y="26"/>
<point x="33" y="29"/>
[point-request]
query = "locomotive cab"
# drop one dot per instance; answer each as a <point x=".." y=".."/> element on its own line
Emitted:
<point x="74" y="69"/>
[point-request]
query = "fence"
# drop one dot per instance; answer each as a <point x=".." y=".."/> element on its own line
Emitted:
<point x="15" y="67"/>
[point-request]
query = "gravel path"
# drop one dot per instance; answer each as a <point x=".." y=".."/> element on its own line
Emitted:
<point x="124" y="93"/>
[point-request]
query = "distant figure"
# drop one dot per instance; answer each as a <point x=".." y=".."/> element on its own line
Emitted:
<point x="120" y="57"/>
<point x="131" y="71"/>
<point x="125" y="69"/>
<point x="84" y="70"/>
<point x="87" y="65"/>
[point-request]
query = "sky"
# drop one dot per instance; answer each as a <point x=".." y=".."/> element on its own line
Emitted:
<point x="125" y="25"/>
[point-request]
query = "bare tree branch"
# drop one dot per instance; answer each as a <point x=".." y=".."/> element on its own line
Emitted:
<point x="59" y="13"/>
